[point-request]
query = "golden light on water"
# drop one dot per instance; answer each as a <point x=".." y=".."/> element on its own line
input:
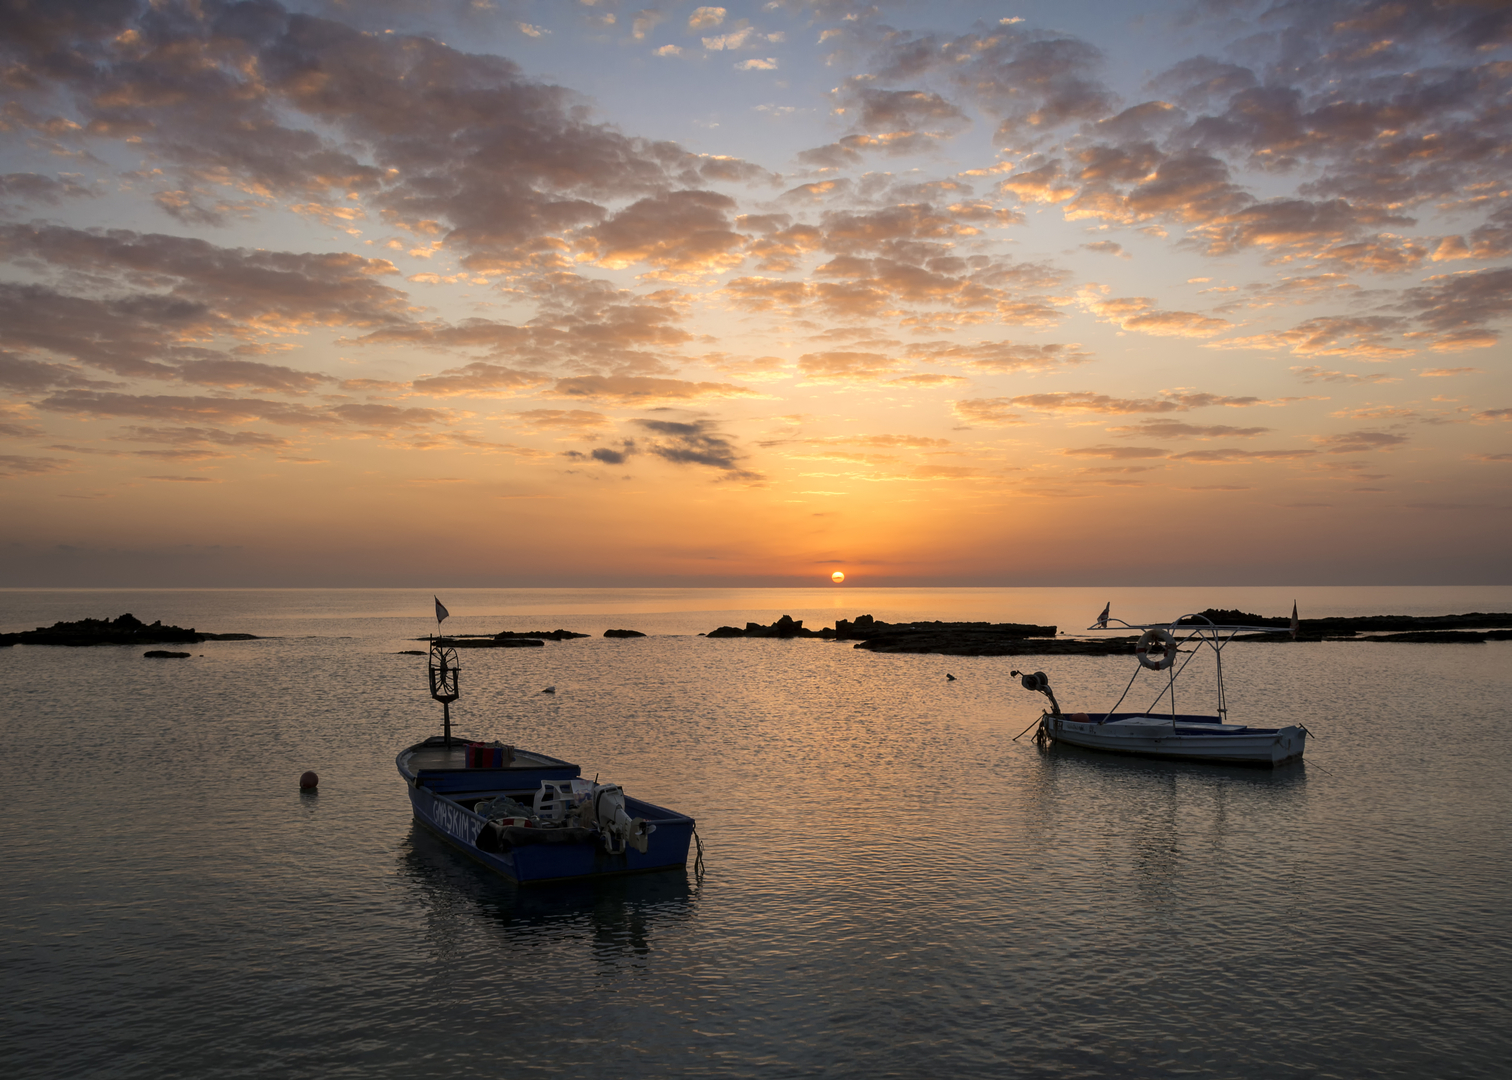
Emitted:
<point x="837" y="577"/>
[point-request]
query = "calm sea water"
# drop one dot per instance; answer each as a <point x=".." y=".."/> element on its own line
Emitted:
<point x="893" y="886"/>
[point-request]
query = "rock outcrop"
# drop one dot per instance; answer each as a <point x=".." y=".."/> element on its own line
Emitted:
<point x="1426" y="629"/>
<point x="948" y="638"/>
<point x="125" y="630"/>
<point x="785" y="627"/>
<point x="623" y="633"/>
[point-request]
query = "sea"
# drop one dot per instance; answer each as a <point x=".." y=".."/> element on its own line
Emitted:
<point x="893" y="883"/>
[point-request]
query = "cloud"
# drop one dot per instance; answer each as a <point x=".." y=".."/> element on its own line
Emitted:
<point x="1176" y="429"/>
<point x="155" y="305"/>
<point x="1355" y="337"/>
<point x="229" y="410"/>
<point x="1032" y="82"/>
<point x="1139" y="313"/>
<point x="999" y="356"/>
<point x="892" y="122"/>
<point x="986" y="412"/>
<point x="13" y="465"/>
<point x="32" y="188"/>
<point x="480" y="379"/>
<point x="627" y="390"/>
<point x="1356" y="441"/>
<point x="1301" y="226"/>
<point x="1240" y="457"/>
<point x="569" y="421"/>
<point x="1117" y="453"/>
<point x="239" y="374"/>
<point x="694" y="443"/>
<point x="849" y="367"/>
<point x="579" y="324"/>
<point x="1317" y="374"/>
<point x="683" y="231"/>
<point x="1085" y="401"/>
<point x="1455" y="308"/>
<point x="705" y="18"/>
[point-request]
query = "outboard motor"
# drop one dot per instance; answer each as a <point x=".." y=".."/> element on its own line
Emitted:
<point x="618" y="827"/>
<point x="1040" y="682"/>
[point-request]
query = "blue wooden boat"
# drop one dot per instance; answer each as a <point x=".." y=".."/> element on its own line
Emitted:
<point x="527" y="815"/>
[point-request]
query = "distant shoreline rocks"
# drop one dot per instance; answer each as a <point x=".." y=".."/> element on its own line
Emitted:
<point x="949" y="638"/>
<point x="505" y="639"/>
<point x="125" y="630"/>
<point x="1025" y="639"/>
<point x="1469" y="628"/>
<point x="623" y="633"/>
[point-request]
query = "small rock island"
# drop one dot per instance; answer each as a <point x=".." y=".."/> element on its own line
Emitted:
<point x="505" y="639"/>
<point x="948" y="638"/>
<point x="125" y="630"/>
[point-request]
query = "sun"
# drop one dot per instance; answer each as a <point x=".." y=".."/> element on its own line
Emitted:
<point x="837" y="577"/>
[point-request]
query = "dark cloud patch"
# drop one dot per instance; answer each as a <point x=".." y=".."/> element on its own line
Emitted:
<point x="694" y="443"/>
<point x="640" y="389"/>
<point x="246" y="288"/>
<point x="20" y="373"/>
<point x="1357" y="441"/>
<point x="1032" y="82"/>
<point x="34" y="188"/>
<point x="13" y="465"/>
<point x="579" y="325"/>
<point x="1295" y="224"/>
<point x="1085" y="401"/>
<point x="683" y="231"/>
<point x="196" y="437"/>
<point x="248" y="374"/>
<point x="439" y="141"/>
<point x="1456" y="309"/>
<point x="886" y="121"/>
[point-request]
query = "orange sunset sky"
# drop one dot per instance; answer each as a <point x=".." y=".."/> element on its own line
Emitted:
<point x="490" y="293"/>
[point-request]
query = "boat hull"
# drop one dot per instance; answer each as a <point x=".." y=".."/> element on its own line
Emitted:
<point x="1157" y="737"/>
<point x="437" y="796"/>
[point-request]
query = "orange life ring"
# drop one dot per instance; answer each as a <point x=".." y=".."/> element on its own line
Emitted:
<point x="1166" y="647"/>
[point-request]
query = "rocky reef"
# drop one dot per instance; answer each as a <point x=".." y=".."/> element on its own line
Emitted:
<point x="505" y="639"/>
<point x="125" y="630"/>
<point x="948" y="638"/>
<point x="1469" y="628"/>
<point x="785" y="627"/>
<point x="623" y="633"/>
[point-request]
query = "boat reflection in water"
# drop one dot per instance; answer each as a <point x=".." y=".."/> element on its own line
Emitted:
<point x="619" y="916"/>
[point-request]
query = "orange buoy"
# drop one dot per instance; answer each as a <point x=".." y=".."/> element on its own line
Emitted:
<point x="308" y="782"/>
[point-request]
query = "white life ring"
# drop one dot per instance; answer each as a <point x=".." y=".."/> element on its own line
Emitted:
<point x="1166" y="647"/>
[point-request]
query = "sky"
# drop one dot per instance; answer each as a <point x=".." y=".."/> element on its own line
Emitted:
<point x="595" y="294"/>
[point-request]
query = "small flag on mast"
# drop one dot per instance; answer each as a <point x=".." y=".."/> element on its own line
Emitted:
<point x="441" y="612"/>
<point x="1294" y="621"/>
<point x="1102" y="620"/>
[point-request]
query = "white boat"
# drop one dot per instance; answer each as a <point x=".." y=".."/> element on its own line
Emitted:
<point x="1170" y="648"/>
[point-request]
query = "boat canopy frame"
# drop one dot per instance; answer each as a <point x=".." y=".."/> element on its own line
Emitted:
<point x="1203" y="633"/>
